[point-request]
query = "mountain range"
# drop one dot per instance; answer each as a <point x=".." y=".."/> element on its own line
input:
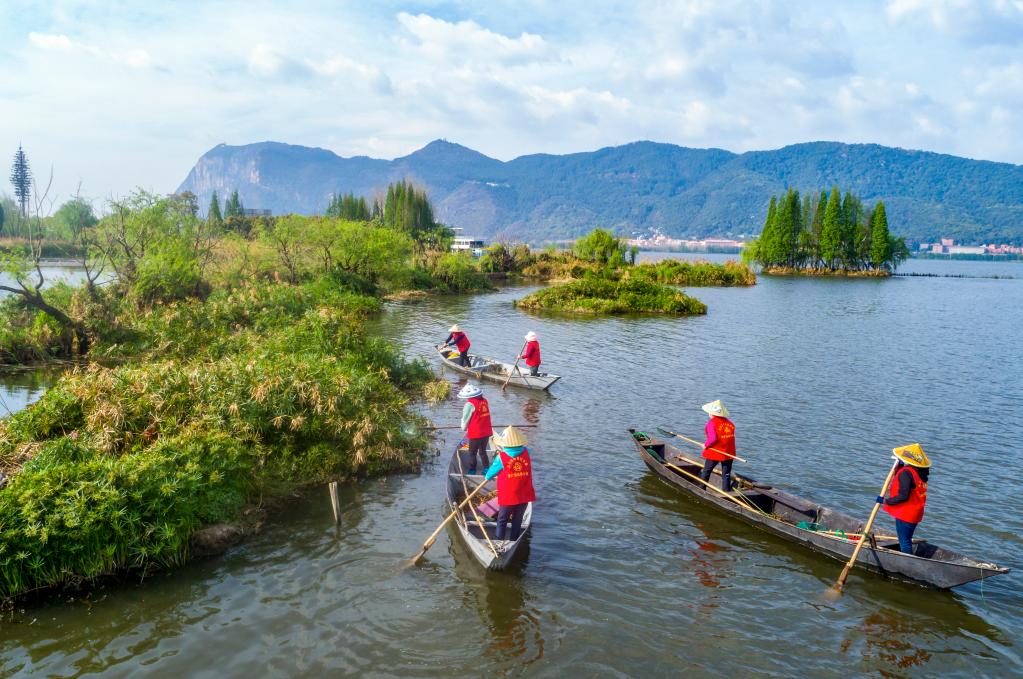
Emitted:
<point x="634" y="188"/>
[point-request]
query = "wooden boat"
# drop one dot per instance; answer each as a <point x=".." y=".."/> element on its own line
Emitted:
<point x="483" y="368"/>
<point x="477" y="531"/>
<point x="813" y="525"/>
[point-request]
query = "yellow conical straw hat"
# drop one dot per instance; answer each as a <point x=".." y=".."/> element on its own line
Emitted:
<point x="912" y="454"/>
<point x="454" y="328"/>
<point x="715" y="408"/>
<point x="511" y="438"/>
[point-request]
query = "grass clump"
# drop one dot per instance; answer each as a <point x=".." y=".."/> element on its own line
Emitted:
<point x="695" y="274"/>
<point x="607" y="295"/>
<point x="246" y="394"/>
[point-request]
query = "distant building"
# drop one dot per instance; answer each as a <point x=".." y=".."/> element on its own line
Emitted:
<point x="947" y="242"/>
<point x="256" y="212"/>
<point x="469" y="243"/>
<point x="966" y="250"/>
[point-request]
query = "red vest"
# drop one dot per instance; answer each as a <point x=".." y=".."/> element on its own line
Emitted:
<point x="515" y="482"/>
<point x="479" y="422"/>
<point x="912" y="510"/>
<point x="461" y="341"/>
<point x="725" y="431"/>
<point x="533" y="353"/>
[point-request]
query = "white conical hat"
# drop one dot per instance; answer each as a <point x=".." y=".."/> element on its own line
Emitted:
<point x="530" y="336"/>
<point x="470" y="391"/>
<point x="510" y="438"/>
<point x="715" y="408"/>
<point x="454" y="328"/>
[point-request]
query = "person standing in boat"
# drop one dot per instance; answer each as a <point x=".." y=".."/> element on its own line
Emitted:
<point x="458" y="338"/>
<point x="514" y="471"/>
<point x="720" y="444"/>
<point x="476" y="424"/>
<point x="532" y="353"/>
<point x="907" y="493"/>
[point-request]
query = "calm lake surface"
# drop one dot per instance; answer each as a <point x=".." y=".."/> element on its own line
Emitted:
<point x="624" y="576"/>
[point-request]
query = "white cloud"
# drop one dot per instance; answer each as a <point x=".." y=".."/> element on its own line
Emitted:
<point x="504" y="78"/>
<point x="50" y="42"/>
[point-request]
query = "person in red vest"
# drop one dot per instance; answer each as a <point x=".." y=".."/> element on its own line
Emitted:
<point x="461" y="342"/>
<point x="720" y="444"/>
<point x="476" y="424"/>
<point x="532" y="353"/>
<point x="514" y="471"/>
<point x="907" y="493"/>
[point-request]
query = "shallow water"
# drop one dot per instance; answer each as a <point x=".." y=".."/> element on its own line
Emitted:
<point x="623" y="576"/>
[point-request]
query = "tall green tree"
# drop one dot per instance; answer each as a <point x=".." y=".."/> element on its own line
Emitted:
<point x="234" y="207"/>
<point x="831" y="230"/>
<point x="72" y="218"/>
<point x="21" y="179"/>
<point x="880" y="248"/>
<point x="213" y="215"/>
<point x="767" y="244"/>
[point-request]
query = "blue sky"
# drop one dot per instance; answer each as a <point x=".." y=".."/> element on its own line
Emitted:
<point x="115" y="95"/>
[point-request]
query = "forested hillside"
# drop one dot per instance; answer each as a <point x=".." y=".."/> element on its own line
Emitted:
<point x="632" y="188"/>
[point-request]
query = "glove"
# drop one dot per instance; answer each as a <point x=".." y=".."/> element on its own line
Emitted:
<point x="879" y="500"/>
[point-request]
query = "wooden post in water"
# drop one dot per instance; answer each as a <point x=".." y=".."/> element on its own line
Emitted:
<point x="335" y="501"/>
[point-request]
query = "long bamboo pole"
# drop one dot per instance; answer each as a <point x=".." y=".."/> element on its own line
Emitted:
<point x="472" y="505"/>
<point x="697" y="443"/>
<point x="837" y="588"/>
<point x="433" y="536"/>
<point x="515" y="367"/>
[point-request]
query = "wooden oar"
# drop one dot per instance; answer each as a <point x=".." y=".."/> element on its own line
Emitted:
<point x="514" y="367"/>
<point x="669" y="432"/>
<point x="495" y="426"/>
<point x="746" y="504"/>
<point x="433" y="536"/>
<point x="472" y="505"/>
<point x="837" y="588"/>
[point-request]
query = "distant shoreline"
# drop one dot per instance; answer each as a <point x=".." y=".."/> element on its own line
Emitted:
<point x="968" y="257"/>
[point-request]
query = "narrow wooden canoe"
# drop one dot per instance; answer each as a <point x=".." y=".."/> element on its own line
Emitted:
<point x="494" y="554"/>
<point x="483" y="368"/>
<point x="813" y="525"/>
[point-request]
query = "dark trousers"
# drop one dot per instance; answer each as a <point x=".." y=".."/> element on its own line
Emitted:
<point x="476" y="447"/>
<point x="463" y="359"/>
<point x="905" y="530"/>
<point x="534" y="370"/>
<point x="513" y="513"/>
<point x="726" y="472"/>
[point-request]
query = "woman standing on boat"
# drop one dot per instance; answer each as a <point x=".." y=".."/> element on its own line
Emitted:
<point x="532" y="353"/>
<point x="514" y="472"/>
<point x="461" y="342"/>
<point x="476" y="424"/>
<point x="907" y="494"/>
<point x="720" y="444"/>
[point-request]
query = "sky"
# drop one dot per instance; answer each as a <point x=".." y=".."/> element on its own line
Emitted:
<point x="116" y="95"/>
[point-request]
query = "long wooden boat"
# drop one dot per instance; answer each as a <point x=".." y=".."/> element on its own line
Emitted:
<point x="812" y="525"/>
<point x="477" y="531"/>
<point x="483" y="368"/>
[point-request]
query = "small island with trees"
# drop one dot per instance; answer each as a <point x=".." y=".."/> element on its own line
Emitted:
<point x="826" y="234"/>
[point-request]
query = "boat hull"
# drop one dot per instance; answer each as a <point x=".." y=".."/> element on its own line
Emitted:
<point x="493" y="555"/>
<point x="491" y="370"/>
<point x="929" y="564"/>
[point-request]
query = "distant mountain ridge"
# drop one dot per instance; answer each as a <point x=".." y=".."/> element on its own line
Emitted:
<point x="632" y="188"/>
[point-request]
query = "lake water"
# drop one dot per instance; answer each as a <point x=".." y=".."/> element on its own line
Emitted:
<point x="623" y="575"/>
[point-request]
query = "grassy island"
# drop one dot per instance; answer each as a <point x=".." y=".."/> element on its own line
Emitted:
<point x="597" y="295"/>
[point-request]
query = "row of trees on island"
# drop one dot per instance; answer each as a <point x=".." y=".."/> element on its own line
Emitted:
<point x="826" y="232"/>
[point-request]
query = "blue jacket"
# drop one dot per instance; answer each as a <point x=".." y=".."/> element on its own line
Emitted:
<point x="496" y="466"/>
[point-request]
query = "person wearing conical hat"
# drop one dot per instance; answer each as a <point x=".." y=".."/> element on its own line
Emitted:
<point x="477" y="427"/>
<point x="719" y="447"/>
<point x="907" y="493"/>
<point x="459" y="339"/>
<point x="514" y="471"/>
<point x="532" y="353"/>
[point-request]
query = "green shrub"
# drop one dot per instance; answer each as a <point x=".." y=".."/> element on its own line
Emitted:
<point x="601" y="295"/>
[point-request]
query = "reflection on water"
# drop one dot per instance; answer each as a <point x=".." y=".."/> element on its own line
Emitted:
<point x="624" y="575"/>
